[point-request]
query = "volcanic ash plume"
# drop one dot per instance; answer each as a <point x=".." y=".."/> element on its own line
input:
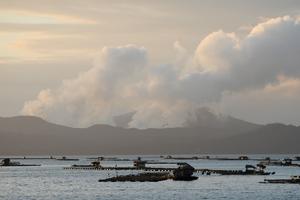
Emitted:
<point x="122" y="80"/>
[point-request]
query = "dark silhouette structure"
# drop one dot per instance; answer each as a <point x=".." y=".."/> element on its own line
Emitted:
<point x="184" y="172"/>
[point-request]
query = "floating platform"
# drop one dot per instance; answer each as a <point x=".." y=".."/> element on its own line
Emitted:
<point x="140" y="165"/>
<point x="30" y="158"/>
<point x="64" y="158"/>
<point x="21" y="165"/>
<point x="283" y="163"/>
<point x="91" y="167"/>
<point x="142" y="177"/>
<point x="292" y="180"/>
<point x="236" y="172"/>
<point x="241" y="158"/>
<point x="102" y="158"/>
<point x="184" y="172"/>
<point x="8" y="163"/>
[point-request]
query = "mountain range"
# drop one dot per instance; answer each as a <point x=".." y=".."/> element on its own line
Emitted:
<point x="207" y="133"/>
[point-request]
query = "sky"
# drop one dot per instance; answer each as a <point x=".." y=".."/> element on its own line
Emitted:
<point x="82" y="62"/>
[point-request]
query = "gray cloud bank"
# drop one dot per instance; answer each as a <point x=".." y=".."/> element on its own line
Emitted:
<point x="123" y="81"/>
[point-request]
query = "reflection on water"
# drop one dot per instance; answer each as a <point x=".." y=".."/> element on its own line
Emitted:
<point x="50" y="181"/>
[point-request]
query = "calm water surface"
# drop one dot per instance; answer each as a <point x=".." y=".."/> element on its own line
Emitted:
<point x="51" y="181"/>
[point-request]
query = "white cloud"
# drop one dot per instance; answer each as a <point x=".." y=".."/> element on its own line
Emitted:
<point x="216" y="51"/>
<point x="123" y="81"/>
<point x="94" y="96"/>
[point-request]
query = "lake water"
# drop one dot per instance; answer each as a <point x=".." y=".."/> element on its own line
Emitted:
<point x="51" y="181"/>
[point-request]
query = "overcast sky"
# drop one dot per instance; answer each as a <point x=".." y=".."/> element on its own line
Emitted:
<point x="80" y="62"/>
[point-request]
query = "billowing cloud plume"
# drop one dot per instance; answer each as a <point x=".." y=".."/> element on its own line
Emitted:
<point x="123" y="81"/>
